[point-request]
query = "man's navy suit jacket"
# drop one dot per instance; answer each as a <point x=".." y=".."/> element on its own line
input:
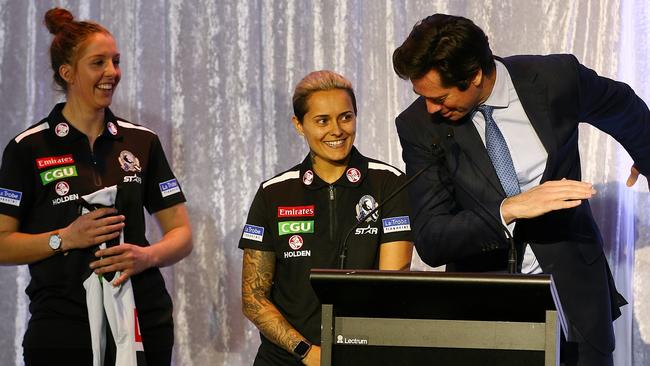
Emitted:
<point x="557" y="93"/>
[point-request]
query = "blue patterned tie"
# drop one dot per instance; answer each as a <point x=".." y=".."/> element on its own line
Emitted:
<point x="499" y="154"/>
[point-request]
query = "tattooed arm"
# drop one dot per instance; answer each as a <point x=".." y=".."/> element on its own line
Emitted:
<point x="257" y="276"/>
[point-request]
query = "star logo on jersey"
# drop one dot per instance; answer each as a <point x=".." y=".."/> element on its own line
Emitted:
<point x="129" y="162"/>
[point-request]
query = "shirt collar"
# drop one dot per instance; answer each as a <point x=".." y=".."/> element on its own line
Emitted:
<point x="500" y="96"/>
<point x="354" y="175"/>
<point x="64" y="130"/>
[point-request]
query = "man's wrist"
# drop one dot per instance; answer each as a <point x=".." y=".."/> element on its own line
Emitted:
<point x="506" y="215"/>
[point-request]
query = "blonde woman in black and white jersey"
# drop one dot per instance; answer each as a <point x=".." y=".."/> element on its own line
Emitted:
<point x="299" y="218"/>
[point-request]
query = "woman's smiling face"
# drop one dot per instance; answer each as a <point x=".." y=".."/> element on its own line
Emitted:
<point x="96" y="73"/>
<point x="329" y="126"/>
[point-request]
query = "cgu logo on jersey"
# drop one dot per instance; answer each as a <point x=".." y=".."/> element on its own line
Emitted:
<point x="51" y="175"/>
<point x="295" y="227"/>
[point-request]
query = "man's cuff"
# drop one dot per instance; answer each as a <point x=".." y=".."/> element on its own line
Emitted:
<point x="511" y="226"/>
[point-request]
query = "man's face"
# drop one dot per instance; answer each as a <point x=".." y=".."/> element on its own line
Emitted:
<point x="450" y="102"/>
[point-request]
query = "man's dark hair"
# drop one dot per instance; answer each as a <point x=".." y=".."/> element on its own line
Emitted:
<point x="454" y="46"/>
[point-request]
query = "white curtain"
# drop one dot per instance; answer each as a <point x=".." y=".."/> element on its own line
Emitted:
<point x="214" y="79"/>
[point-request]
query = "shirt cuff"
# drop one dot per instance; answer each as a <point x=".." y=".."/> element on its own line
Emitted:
<point x="511" y="226"/>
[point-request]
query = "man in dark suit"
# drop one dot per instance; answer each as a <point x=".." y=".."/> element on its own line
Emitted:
<point x="504" y="132"/>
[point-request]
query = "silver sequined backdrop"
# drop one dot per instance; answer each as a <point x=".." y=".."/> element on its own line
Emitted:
<point x="214" y="79"/>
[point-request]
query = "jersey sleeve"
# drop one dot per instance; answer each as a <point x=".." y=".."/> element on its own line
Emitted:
<point x="163" y="189"/>
<point x="257" y="230"/>
<point x="395" y="215"/>
<point x="16" y="185"/>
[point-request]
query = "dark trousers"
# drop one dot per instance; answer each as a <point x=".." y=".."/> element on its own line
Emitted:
<point x="578" y="352"/>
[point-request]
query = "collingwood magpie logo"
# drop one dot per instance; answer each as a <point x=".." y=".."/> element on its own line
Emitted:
<point x="129" y="162"/>
<point x="366" y="204"/>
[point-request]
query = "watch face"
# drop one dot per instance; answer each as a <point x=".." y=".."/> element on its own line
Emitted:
<point x="55" y="242"/>
<point x="301" y="349"/>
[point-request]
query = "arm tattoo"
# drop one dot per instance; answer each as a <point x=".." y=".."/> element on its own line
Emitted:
<point x="257" y="277"/>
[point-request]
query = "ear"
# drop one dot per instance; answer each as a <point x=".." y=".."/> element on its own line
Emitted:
<point x="297" y="125"/>
<point x="65" y="71"/>
<point x="478" y="78"/>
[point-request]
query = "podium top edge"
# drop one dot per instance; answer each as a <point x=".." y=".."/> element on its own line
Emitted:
<point x="430" y="276"/>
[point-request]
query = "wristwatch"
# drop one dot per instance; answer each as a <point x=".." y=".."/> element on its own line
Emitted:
<point x="302" y="349"/>
<point x="55" y="242"/>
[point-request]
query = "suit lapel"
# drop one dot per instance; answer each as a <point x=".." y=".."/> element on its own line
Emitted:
<point x="533" y="97"/>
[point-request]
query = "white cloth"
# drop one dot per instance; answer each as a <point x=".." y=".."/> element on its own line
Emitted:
<point x="117" y="303"/>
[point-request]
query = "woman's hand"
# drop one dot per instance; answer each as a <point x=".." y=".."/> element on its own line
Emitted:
<point x="92" y="228"/>
<point x="129" y="259"/>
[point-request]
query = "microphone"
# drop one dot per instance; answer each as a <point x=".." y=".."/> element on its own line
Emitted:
<point x="343" y="246"/>
<point x="512" y="249"/>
